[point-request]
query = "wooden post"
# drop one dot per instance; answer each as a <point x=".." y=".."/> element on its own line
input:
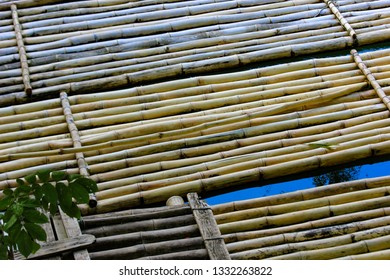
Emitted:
<point x="74" y="133"/>
<point x="72" y="229"/>
<point x="22" y="51"/>
<point x="208" y="228"/>
<point x="370" y="77"/>
<point x="342" y="20"/>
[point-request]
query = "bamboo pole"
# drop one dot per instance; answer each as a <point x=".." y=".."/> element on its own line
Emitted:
<point x="22" y="51"/>
<point x="144" y="250"/>
<point x="382" y="95"/>
<point x="307" y="235"/>
<point x="340" y="17"/>
<point x="301" y="247"/>
<point x="145" y="237"/>
<point x="74" y="132"/>
<point x="364" y="215"/>
<point x="360" y="247"/>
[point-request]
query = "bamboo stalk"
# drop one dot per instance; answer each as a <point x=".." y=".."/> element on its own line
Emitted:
<point x="360" y="247"/>
<point x="382" y="95"/>
<point x="307" y="235"/>
<point x="22" y="51"/>
<point x="364" y="215"/>
<point x="326" y="243"/>
<point x="145" y="237"/>
<point x="152" y="224"/>
<point x="150" y="249"/>
<point x="74" y="132"/>
<point x="340" y="17"/>
<point x="379" y="255"/>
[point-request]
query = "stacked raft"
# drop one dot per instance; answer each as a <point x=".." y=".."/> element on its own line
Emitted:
<point x="92" y="45"/>
<point x="145" y="144"/>
<point x="340" y="221"/>
<point x="149" y="99"/>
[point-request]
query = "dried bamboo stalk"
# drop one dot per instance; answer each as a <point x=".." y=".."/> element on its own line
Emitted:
<point x="379" y="255"/>
<point x="144" y="237"/>
<point x="149" y="249"/>
<point x="22" y="51"/>
<point x="370" y="77"/>
<point x="340" y="17"/>
<point x="360" y="247"/>
<point x="74" y="132"/>
<point x="364" y="215"/>
<point x="326" y="243"/>
<point x="307" y="235"/>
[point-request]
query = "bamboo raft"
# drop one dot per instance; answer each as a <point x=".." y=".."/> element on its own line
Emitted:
<point x="159" y="98"/>
<point x="208" y="133"/>
<point x="83" y="46"/>
<point x="340" y="221"/>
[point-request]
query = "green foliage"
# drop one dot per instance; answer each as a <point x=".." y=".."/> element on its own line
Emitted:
<point x="22" y="209"/>
<point x="337" y="176"/>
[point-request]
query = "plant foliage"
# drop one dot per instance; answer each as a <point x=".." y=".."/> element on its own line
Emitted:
<point x="22" y="209"/>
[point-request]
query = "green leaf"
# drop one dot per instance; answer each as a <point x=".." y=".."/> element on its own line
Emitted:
<point x="20" y="182"/>
<point x="64" y="195"/>
<point x="44" y="175"/>
<point x="34" y="216"/>
<point x="89" y="184"/>
<point x="3" y="251"/>
<point x="17" y="209"/>
<point x="10" y="223"/>
<point x="30" y="203"/>
<point x="8" y="192"/>
<point x="35" y="231"/>
<point x="73" y="211"/>
<point x="14" y="232"/>
<point x="32" y="178"/>
<point x="72" y="177"/>
<point x="50" y="193"/>
<point x="79" y="192"/>
<point x="5" y="202"/>
<point x="25" y="189"/>
<point x="58" y="175"/>
<point x="25" y="243"/>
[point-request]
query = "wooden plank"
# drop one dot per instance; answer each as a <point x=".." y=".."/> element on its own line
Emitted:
<point x="72" y="229"/>
<point x="60" y="246"/>
<point x="208" y="228"/>
<point x="50" y="234"/>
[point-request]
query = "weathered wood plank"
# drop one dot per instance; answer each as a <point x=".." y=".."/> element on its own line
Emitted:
<point x="208" y="228"/>
<point x="73" y="230"/>
<point x="54" y="248"/>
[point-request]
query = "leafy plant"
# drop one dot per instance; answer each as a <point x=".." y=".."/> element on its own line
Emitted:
<point x="22" y="209"/>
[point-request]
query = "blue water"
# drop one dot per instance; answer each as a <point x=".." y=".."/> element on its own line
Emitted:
<point x="366" y="171"/>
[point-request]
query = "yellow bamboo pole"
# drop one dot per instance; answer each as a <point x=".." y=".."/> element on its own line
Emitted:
<point x="22" y="51"/>
<point x="370" y="77"/>
<point x="340" y="17"/>
<point x="74" y="132"/>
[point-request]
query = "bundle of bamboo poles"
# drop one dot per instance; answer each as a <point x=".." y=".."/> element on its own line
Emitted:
<point x="201" y="134"/>
<point x="345" y="220"/>
<point x="150" y="233"/>
<point x="86" y="46"/>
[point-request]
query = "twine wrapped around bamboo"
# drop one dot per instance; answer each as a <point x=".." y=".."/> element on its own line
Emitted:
<point x="22" y="51"/>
